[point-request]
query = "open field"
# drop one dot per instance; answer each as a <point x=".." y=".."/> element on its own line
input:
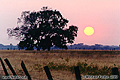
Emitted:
<point x="36" y="60"/>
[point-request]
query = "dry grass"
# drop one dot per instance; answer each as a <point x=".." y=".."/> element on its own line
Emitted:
<point x="36" y="60"/>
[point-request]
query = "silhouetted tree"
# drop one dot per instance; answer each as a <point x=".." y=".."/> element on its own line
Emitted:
<point x="43" y="29"/>
<point x="10" y="46"/>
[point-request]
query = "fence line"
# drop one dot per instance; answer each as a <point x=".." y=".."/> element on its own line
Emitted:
<point x="47" y="71"/>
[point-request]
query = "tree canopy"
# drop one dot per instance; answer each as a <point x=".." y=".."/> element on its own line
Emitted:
<point x="43" y="30"/>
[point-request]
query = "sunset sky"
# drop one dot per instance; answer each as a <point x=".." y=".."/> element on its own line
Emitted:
<point x="102" y="15"/>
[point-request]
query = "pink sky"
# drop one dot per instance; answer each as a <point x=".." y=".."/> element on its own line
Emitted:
<point x="102" y="15"/>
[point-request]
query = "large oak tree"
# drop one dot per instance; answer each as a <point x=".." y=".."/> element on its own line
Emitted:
<point x="43" y="29"/>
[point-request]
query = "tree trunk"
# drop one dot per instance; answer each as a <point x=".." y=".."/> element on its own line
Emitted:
<point x="49" y="49"/>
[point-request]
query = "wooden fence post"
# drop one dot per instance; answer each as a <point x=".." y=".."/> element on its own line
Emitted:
<point x="115" y="72"/>
<point x="77" y="73"/>
<point x="10" y="66"/>
<point x="47" y="71"/>
<point x="25" y="70"/>
<point x="4" y="68"/>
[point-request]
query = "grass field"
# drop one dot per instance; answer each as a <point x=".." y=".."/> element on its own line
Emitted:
<point x="61" y="62"/>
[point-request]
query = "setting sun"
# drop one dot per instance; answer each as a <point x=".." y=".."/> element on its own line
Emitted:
<point x="88" y="31"/>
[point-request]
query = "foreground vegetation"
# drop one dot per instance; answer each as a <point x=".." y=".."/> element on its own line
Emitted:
<point x="84" y="68"/>
<point x="62" y="62"/>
